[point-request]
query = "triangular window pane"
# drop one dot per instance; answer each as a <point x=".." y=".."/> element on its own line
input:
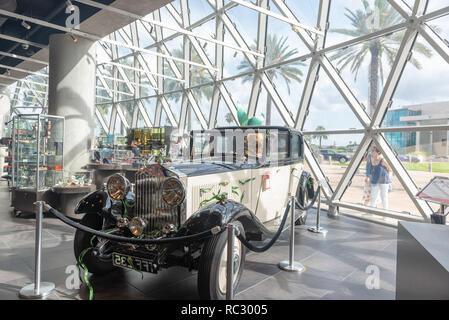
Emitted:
<point x="350" y="19"/>
<point x="423" y="90"/>
<point x="145" y="38"/>
<point x="224" y="116"/>
<point x="164" y="119"/>
<point x="305" y="11"/>
<point x="236" y="62"/>
<point x="198" y="10"/>
<point x="424" y="154"/>
<point x="267" y="111"/>
<point x="105" y="111"/>
<point x="203" y="96"/>
<point x="150" y="107"/>
<point x="140" y="121"/>
<point x="289" y="81"/>
<point x="355" y="65"/>
<point x="389" y="196"/>
<point x="333" y="152"/>
<point x="208" y="30"/>
<point x="328" y="110"/>
<point x="240" y="90"/>
<point x="119" y="128"/>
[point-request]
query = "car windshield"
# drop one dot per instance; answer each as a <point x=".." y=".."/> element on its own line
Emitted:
<point x="239" y="146"/>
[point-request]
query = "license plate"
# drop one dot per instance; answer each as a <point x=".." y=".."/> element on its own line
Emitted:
<point x="133" y="263"/>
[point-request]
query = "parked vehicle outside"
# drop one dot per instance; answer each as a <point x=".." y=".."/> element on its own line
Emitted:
<point x="335" y="156"/>
<point x="410" y="158"/>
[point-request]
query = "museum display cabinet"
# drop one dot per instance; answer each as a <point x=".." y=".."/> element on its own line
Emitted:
<point x="38" y="158"/>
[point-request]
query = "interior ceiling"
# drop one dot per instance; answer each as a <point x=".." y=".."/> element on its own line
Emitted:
<point x="92" y="20"/>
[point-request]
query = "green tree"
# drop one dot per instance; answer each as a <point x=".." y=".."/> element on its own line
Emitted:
<point x="229" y="118"/>
<point x="320" y="136"/>
<point x="277" y="51"/>
<point x="198" y="75"/>
<point x="366" y="21"/>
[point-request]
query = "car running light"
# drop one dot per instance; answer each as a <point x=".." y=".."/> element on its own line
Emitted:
<point x="137" y="226"/>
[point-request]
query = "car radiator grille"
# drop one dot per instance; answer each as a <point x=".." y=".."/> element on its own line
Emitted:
<point x="149" y="203"/>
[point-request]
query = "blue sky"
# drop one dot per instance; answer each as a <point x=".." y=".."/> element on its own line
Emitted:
<point x="328" y="108"/>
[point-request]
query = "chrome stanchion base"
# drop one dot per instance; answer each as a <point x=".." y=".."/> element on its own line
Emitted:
<point x="28" y="292"/>
<point x="317" y="230"/>
<point x="296" y="267"/>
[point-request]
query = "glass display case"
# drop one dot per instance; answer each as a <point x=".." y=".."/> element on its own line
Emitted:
<point x="38" y="160"/>
<point x="76" y="179"/>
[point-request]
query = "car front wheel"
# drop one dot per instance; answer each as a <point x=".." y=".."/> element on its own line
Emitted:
<point x="213" y="266"/>
<point x="83" y="241"/>
<point x="343" y="160"/>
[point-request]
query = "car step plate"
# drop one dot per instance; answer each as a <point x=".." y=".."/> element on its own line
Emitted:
<point x="133" y="263"/>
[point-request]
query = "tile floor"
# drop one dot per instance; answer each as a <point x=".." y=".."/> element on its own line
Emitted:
<point x="336" y="265"/>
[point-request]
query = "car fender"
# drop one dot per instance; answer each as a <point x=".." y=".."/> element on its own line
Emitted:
<point x="220" y="214"/>
<point x="92" y="203"/>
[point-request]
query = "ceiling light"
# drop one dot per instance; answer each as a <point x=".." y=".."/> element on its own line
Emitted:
<point x="26" y="25"/>
<point x="25" y="46"/>
<point x="70" y="5"/>
<point x="75" y="39"/>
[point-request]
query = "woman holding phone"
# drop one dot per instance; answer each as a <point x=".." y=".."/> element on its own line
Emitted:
<point x="379" y="175"/>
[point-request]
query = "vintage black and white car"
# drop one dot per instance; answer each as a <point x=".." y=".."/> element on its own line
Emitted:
<point x="217" y="184"/>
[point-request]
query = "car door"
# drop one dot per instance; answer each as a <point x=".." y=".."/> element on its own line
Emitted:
<point x="332" y="154"/>
<point x="270" y="197"/>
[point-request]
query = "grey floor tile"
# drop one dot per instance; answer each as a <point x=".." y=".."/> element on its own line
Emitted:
<point x="355" y="287"/>
<point x="256" y="272"/>
<point x="14" y="268"/>
<point x="156" y="282"/>
<point x="14" y="239"/>
<point x="274" y="289"/>
<point x="186" y="289"/>
<point x="335" y="267"/>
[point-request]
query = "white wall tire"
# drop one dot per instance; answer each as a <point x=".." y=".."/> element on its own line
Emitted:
<point x="212" y="266"/>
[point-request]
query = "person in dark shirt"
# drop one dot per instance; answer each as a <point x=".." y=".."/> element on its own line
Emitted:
<point x="135" y="149"/>
<point x="379" y="175"/>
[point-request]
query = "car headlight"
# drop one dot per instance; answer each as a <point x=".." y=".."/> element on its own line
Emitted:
<point x="117" y="186"/>
<point x="137" y="226"/>
<point x="173" y="192"/>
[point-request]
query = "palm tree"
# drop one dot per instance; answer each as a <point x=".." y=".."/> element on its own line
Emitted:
<point x="367" y="21"/>
<point x="277" y="51"/>
<point x="198" y="75"/>
<point x="320" y="136"/>
<point x="229" y="118"/>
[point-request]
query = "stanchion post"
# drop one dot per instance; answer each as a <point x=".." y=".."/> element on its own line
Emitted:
<point x="317" y="228"/>
<point x="37" y="289"/>
<point x="291" y="265"/>
<point x="230" y="263"/>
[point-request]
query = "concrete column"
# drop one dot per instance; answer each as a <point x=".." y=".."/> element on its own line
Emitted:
<point x="71" y="94"/>
<point x="5" y="105"/>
